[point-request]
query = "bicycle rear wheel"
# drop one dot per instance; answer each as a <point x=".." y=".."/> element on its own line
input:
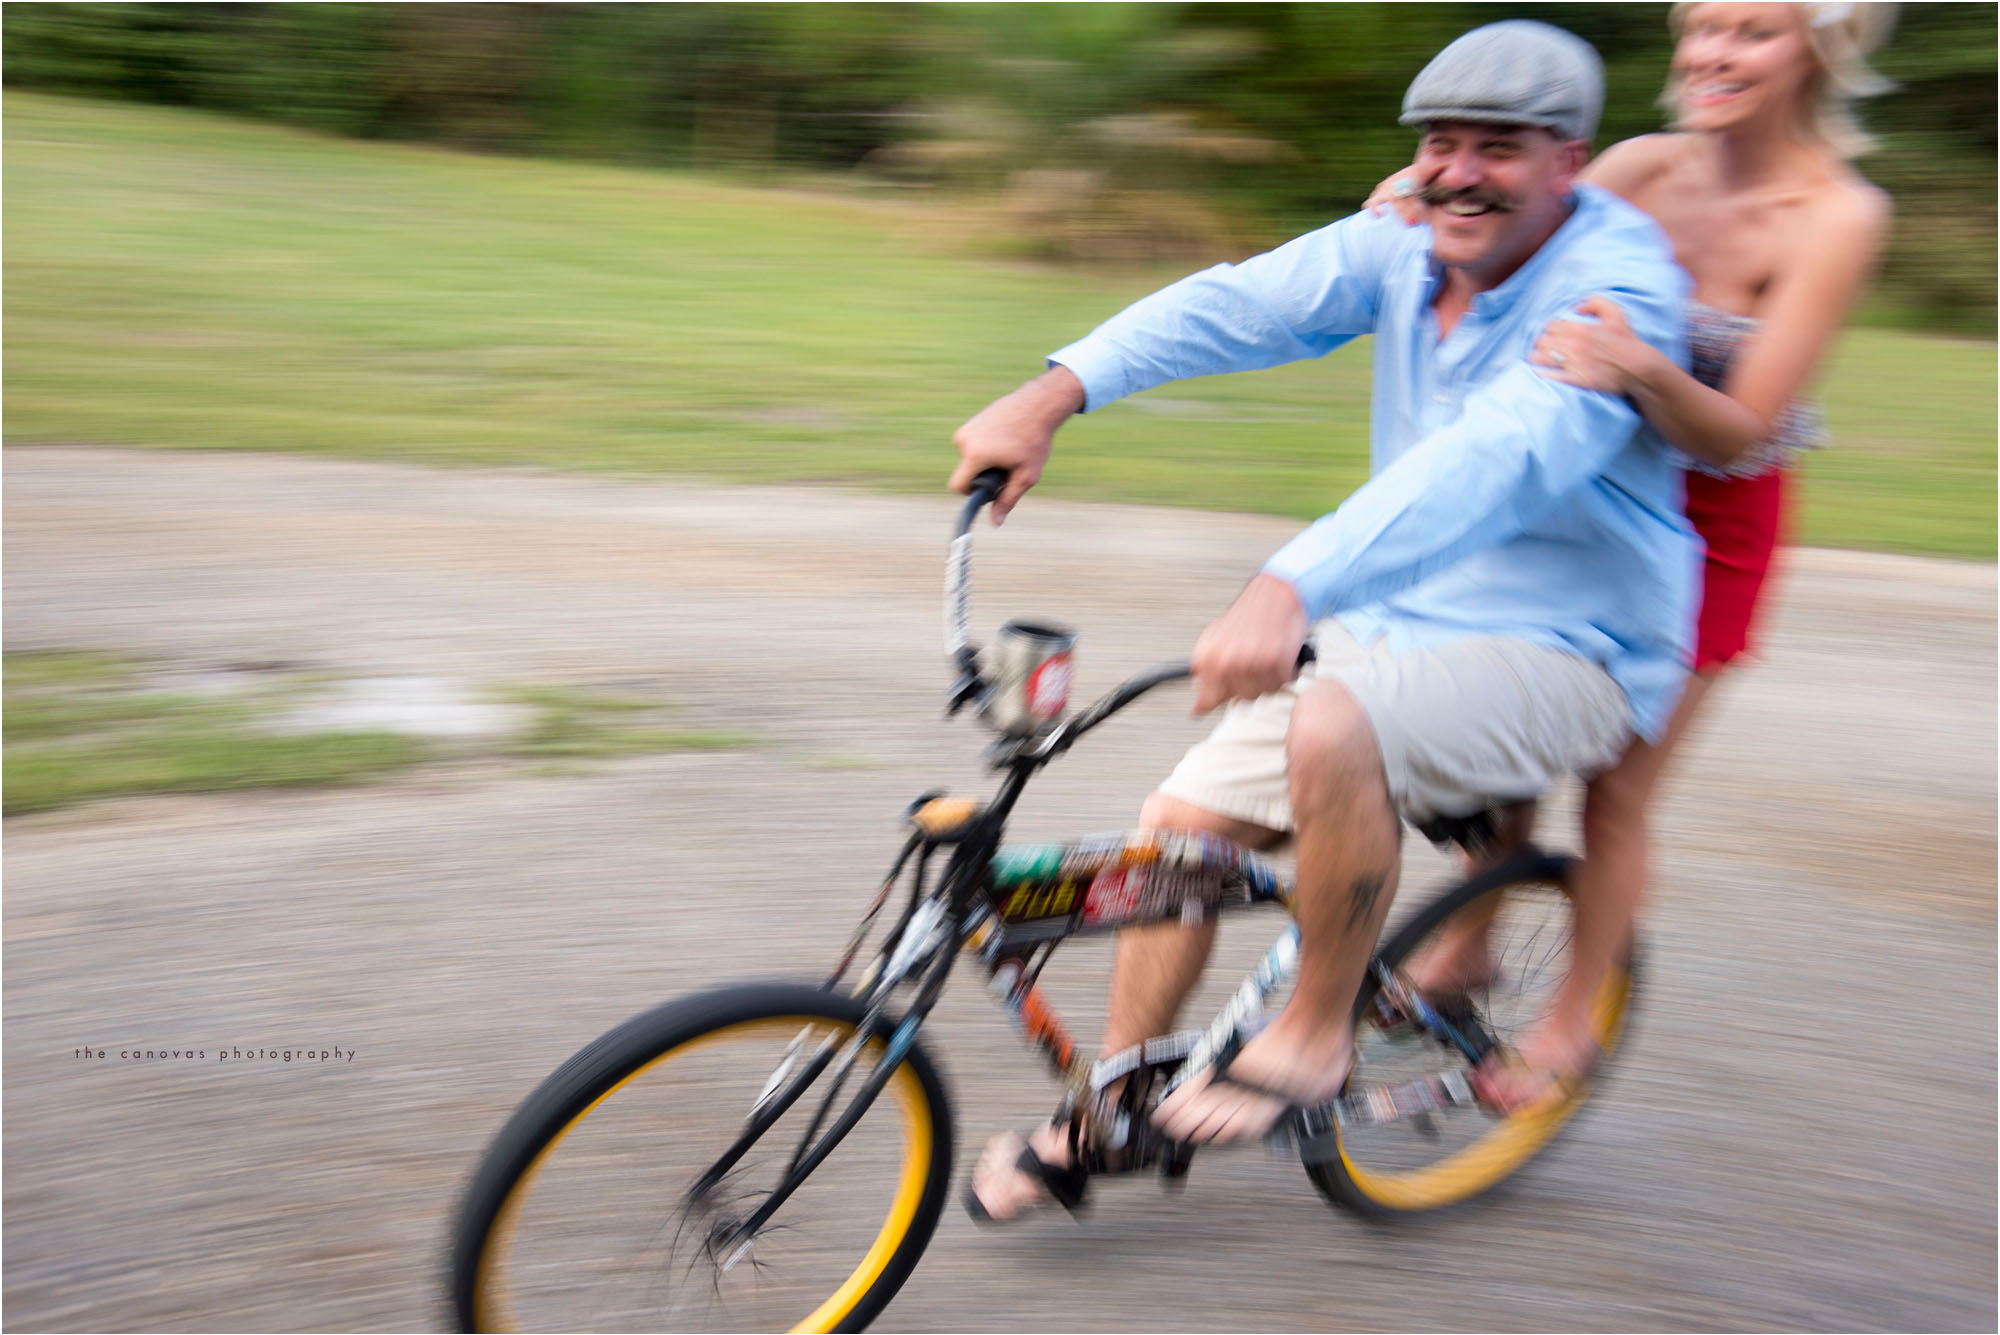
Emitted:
<point x="597" y="1207"/>
<point x="1414" y="1165"/>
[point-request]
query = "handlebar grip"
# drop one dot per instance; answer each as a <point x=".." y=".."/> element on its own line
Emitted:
<point x="986" y="488"/>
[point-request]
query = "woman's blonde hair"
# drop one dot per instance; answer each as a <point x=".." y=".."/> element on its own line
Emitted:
<point x="1842" y="37"/>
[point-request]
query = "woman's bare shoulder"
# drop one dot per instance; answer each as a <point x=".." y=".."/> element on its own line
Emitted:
<point x="1629" y="166"/>
<point x="1856" y="201"/>
<point x="1849" y="213"/>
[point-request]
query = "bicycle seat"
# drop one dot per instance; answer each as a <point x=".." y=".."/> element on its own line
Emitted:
<point x="1470" y="833"/>
<point x="942" y="819"/>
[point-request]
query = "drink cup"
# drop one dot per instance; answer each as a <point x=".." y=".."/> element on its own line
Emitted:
<point x="1029" y="666"/>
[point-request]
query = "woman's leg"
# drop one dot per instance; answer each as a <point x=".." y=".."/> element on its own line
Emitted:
<point x="1610" y="882"/>
<point x="1740" y="520"/>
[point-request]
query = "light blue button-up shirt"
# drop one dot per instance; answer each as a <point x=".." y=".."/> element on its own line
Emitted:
<point x="1501" y="502"/>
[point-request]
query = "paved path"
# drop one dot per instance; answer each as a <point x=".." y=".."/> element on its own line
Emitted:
<point x="1801" y="1135"/>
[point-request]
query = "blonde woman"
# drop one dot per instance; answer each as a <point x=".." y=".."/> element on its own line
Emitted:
<point x="1755" y="191"/>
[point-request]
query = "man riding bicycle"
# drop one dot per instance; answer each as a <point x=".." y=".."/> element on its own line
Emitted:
<point x="1509" y="598"/>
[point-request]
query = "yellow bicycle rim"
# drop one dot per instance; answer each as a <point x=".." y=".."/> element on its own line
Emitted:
<point x="1508" y="1145"/>
<point x="494" y="1309"/>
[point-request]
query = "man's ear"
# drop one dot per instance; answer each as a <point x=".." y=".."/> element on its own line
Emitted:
<point x="1571" y="155"/>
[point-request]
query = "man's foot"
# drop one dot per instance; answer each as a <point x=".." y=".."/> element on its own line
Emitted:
<point x="1268" y="1080"/>
<point x="1551" y="1062"/>
<point x="1017" y="1174"/>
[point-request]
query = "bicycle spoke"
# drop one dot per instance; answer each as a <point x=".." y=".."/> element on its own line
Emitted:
<point x="1411" y="1106"/>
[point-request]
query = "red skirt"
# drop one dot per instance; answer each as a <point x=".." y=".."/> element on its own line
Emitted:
<point x="1739" y="519"/>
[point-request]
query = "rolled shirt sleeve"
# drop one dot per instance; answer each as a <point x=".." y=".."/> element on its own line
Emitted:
<point x="1302" y="300"/>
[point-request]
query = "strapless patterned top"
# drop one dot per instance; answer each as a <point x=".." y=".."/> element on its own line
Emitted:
<point x="1714" y="338"/>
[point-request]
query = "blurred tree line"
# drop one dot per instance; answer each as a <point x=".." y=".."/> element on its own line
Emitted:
<point x="1089" y="131"/>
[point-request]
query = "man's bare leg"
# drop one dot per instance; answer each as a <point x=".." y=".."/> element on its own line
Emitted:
<point x="1349" y="842"/>
<point x="1153" y="971"/>
<point x="1155" y="968"/>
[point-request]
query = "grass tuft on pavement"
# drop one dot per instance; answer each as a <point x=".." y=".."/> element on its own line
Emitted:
<point x="84" y="725"/>
<point x="570" y="723"/>
<point x="81" y="726"/>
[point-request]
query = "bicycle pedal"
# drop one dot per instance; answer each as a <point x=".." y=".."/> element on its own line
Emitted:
<point x="1313" y="1148"/>
<point x="1308" y="1133"/>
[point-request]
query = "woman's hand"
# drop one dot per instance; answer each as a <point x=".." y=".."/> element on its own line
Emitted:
<point x="1605" y="356"/>
<point x="1399" y="192"/>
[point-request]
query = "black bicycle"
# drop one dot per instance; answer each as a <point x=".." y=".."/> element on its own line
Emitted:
<point x="712" y="1164"/>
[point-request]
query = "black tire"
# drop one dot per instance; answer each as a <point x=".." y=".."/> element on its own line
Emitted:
<point x="629" y="1151"/>
<point x="1383" y="1177"/>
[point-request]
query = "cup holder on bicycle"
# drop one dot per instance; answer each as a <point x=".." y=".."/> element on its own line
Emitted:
<point x="1029" y="672"/>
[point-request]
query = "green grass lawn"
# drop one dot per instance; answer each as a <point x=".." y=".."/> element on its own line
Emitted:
<point x="184" y="281"/>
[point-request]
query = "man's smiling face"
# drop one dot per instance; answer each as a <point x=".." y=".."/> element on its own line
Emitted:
<point x="1493" y="193"/>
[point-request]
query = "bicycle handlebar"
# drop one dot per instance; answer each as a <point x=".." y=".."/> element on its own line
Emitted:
<point x="958" y="625"/>
<point x="958" y="570"/>
<point x="1134" y="687"/>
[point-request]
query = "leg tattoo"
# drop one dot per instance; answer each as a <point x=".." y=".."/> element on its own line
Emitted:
<point x="1362" y="897"/>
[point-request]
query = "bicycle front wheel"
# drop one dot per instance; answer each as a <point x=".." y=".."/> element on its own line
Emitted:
<point x="1525" y="912"/>
<point x="615" y="1197"/>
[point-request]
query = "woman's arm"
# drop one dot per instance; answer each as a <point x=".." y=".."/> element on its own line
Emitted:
<point x="1800" y="312"/>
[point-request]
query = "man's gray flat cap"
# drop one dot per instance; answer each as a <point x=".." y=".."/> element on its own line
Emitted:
<point x="1519" y="72"/>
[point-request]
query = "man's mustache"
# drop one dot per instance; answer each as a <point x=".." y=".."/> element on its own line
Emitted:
<point x="1438" y="194"/>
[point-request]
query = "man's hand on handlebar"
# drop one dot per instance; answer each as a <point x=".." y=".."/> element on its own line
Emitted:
<point x="1253" y="648"/>
<point x="1015" y="432"/>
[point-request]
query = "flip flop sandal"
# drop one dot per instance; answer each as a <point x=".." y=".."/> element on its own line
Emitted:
<point x="1065" y="1186"/>
<point x="1295" y="1118"/>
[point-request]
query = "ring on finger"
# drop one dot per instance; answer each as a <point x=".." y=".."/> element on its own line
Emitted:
<point x="1557" y="359"/>
<point x="1403" y="187"/>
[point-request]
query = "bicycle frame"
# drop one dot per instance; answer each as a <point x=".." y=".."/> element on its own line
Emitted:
<point x="970" y="910"/>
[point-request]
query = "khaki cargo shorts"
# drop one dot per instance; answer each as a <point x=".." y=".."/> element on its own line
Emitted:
<point x="1462" y="726"/>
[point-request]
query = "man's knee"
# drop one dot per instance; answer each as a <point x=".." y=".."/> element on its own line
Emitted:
<point x="1331" y="752"/>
